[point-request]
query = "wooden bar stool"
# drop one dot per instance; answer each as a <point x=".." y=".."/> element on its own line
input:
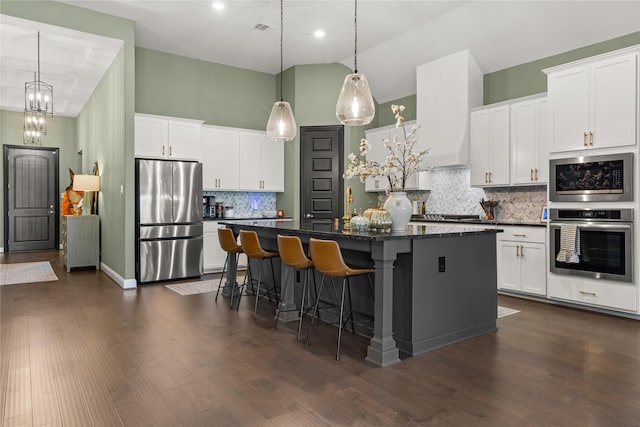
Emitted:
<point x="327" y="259"/>
<point x="292" y="254"/>
<point x="228" y="244"/>
<point x="252" y="249"/>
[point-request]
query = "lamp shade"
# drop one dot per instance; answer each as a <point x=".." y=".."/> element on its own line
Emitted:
<point x="86" y="183"/>
<point x="281" y="125"/>
<point x="355" y="105"/>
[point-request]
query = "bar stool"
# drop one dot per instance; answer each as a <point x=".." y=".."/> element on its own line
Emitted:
<point x="228" y="244"/>
<point x="252" y="249"/>
<point x="292" y="254"/>
<point x="327" y="259"/>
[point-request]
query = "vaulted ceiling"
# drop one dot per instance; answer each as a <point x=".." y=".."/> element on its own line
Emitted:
<point x="393" y="36"/>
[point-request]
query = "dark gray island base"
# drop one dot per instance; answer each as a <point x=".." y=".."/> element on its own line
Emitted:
<point x="434" y="285"/>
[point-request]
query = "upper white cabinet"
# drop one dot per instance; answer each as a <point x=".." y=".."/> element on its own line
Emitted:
<point x="528" y="142"/>
<point x="378" y="152"/>
<point x="220" y="155"/>
<point x="261" y="162"/>
<point x="593" y="102"/>
<point x="166" y="137"/>
<point x="490" y="146"/>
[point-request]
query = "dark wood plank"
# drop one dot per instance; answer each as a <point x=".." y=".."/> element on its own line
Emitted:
<point x="81" y="351"/>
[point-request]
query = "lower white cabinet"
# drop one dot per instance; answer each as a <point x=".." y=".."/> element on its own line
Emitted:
<point x="213" y="256"/>
<point x="521" y="259"/>
<point x="594" y="292"/>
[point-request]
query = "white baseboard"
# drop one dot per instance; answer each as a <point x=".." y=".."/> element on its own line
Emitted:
<point x="121" y="281"/>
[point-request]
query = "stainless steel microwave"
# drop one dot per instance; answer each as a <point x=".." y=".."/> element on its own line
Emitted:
<point x="604" y="178"/>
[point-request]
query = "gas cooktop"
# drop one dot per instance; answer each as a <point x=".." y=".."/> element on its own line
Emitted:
<point x="447" y="217"/>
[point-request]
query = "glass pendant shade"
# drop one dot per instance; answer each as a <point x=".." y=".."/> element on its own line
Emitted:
<point x="281" y="125"/>
<point x="355" y="105"/>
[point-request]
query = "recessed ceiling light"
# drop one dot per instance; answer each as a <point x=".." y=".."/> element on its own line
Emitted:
<point x="217" y="5"/>
<point x="319" y="34"/>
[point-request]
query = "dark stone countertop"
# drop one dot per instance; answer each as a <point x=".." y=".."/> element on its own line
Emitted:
<point x="412" y="232"/>
<point x="481" y="222"/>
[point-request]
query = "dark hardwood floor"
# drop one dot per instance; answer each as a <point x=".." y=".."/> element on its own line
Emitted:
<point x="82" y="352"/>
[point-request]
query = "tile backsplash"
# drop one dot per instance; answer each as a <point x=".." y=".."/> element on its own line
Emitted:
<point x="245" y="204"/>
<point x="451" y="193"/>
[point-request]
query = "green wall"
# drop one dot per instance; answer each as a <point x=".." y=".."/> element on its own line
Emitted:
<point x="101" y="138"/>
<point x="121" y="254"/>
<point x="61" y="133"/>
<point x="172" y="85"/>
<point x="385" y="116"/>
<point x="528" y="79"/>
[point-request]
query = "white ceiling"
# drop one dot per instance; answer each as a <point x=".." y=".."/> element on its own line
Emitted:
<point x="72" y="61"/>
<point x="393" y="36"/>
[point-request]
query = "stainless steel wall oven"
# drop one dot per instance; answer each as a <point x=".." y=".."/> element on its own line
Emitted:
<point x="592" y="178"/>
<point x="603" y="243"/>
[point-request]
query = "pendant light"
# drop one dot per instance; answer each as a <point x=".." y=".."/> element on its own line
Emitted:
<point x="281" y="125"/>
<point x="355" y="105"/>
<point x="38" y="106"/>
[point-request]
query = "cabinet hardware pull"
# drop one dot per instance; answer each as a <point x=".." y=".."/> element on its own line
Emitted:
<point x="490" y="177"/>
<point x="593" y="294"/>
<point x="519" y="235"/>
<point x="521" y="251"/>
<point x="485" y="177"/>
<point x="590" y="139"/>
<point x="517" y="250"/>
<point x="584" y="139"/>
<point x="531" y="174"/>
<point x="170" y="151"/>
<point x="163" y="150"/>
<point x="535" y="171"/>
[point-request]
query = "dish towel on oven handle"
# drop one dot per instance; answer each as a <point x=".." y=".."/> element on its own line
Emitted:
<point x="569" y="244"/>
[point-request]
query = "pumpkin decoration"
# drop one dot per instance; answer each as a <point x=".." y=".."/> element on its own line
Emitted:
<point x="71" y="200"/>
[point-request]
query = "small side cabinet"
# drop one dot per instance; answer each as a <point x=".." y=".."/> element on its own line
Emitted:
<point x="81" y="241"/>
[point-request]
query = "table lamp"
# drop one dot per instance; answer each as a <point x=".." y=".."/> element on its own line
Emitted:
<point x="89" y="183"/>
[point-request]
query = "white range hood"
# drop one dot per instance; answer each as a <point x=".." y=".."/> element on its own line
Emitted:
<point x="446" y="89"/>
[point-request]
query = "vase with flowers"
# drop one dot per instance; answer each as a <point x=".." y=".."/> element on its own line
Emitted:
<point x="402" y="161"/>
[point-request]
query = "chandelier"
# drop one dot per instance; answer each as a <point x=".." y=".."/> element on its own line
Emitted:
<point x="38" y="106"/>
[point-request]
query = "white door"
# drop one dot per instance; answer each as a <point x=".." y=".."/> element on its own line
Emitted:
<point x="250" y="161"/>
<point x="272" y="165"/>
<point x="150" y="137"/>
<point x="509" y="265"/>
<point x="184" y="138"/>
<point x="499" y="124"/>
<point x="226" y="159"/>
<point x="612" y="115"/>
<point x="523" y="142"/>
<point x="569" y="103"/>
<point x="534" y="268"/>
<point x="480" y="149"/>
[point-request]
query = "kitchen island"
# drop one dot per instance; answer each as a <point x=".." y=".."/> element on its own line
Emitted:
<point x="433" y="286"/>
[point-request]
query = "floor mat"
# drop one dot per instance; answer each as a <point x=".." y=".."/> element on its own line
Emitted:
<point x="199" y="287"/>
<point x="26" y="272"/>
<point x="504" y="311"/>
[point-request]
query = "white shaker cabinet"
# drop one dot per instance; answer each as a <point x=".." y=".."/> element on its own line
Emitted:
<point x="592" y="102"/>
<point x="528" y="142"/>
<point x="261" y="162"/>
<point x="521" y="259"/>
<point x="160" y="137"/>
<point x="490" y="146"/>
<point x="220" y="156"/>
<point x="376" y="137"/>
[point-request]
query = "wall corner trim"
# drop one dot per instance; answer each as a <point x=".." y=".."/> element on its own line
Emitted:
<point x="121" y="281"/>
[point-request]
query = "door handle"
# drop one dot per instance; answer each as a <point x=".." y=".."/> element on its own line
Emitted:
<point x="590" y="139"/>
<point x="486" y="177"/>
<point x="308" y="215"/>
<point x="522" y="251"/>
<point x="584" y="139"/>
<point x="535" y="171"/>
<point x="517" y="250"/>
<point x="531" y="174"/>
<point x="593" y="294"/>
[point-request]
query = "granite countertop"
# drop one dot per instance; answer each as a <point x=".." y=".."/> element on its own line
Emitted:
<point x="482" y="222"/>
<point x="412" y="231"/>
<point x="207" y="218"/>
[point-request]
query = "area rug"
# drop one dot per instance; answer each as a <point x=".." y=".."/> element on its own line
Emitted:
<point x="504" y="311"/>
<point x="199" y="287"/>
<point x="26" y="272"/>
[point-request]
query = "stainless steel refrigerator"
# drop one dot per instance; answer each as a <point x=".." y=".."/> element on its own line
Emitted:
<point x="169" y="220"/>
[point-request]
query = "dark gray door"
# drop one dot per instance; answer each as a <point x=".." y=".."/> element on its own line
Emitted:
<point x="321" y="175"/>
<point x="31" y="198"/>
